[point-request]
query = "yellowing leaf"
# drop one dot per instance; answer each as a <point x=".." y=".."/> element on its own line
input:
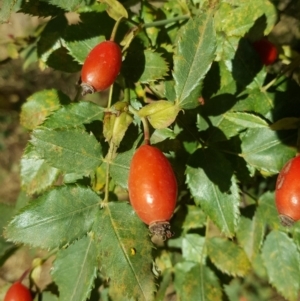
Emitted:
<point x="115" y="9"/>
<point x="161" y="113"/>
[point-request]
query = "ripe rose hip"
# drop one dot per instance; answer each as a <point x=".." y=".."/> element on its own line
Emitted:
<point x="152" y="189"/>
<point x="287" y="193"/>
<point x="101" y="67"/>
<point x="18" y="292"/>
<point x="266" y="50"/>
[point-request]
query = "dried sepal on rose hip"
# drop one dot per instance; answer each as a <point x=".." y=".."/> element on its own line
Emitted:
<point x="18" y="292"/>
<point x="287" y="193"/>
<point x="152" y="188"/>
<point x="101" y="67"/>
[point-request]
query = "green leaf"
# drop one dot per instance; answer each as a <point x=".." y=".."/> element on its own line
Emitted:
<point x="212" y="184"/>
<point x="193" y="248"/>
<point x="79" y="50"/>
<point x="281" y="254"/>
<point x="267" y="213"/>
<point x="238" y="17"/>
<point x="245" y="65"/>
<point x="82" y="37"/>
<point x="142" y="65"/>
<point x="125" y="251"/>
<point x="122" y="123"/>
<point x="40" y="8"/>
<point x="149" y="14"/>
<point x="255" y="101"/>
<point x="6" y="213"/>
<point x="58" y="217"/>
<point x="50" y="38"/>
<point x="119" y="168"/>
<point x="74" y="115"/>
<point x="36" y="174"/>
<point x="264" y="150"/>
<point x="228" y="124"/>
<point x="250" y="234"/>
<point x="75" y="281"/>
<point x="222" y="251"/>
<point x="194" y="219"/>
<point x="39" y="106"/>
<point x="7" y="7"/>
<point x="194" y="281"/>
<point x="155" y="67"/>
<point x="60" y="59"/>
<point x="69" y="150"/>
<point x="195" y="52"/>
<point x="160" y="135"/>
<point x="246" y="120"/>
<point x="69" y="5"/>
<point x="161" y="113"/>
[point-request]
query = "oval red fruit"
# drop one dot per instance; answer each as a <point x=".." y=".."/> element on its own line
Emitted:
<point x="287" y="193"/>
<point x="101" y="67"/>
<point x="18" y="292"/>
<point x="152" y="189"/>
<point x="266" y="50"/>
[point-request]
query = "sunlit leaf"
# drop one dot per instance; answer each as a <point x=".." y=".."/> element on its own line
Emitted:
<point x="221" y="253"/>
<point x="58" y="217"/>
<point x="7" y="7"/>
<point x="194" y="55"/>
<point x="214" y="188"/>
<point x="250" y="235"/>
<point x="269" y="153"/>
<point x="125" y="251"/>
<point x="36" y="174"/>
<point x="74" y="269"/>
<point x="280" y="253"/>
<point x="68" y="150"/>
<point x="39" y="106"/>
<point x="193" y="248"/>
<point x="194" y="281"/>
<point x="74" y="114"/>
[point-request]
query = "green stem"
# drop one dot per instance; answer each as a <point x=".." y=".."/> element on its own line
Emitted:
<point x="289" y="68"/>
<point x="166" y="21"/>
<point x="111" y="153"/>
<point x="111" y="89"/>
<point x="145" y="124"/>
<point x="126" y="95"/>
<point x="115" y="29"/>
<point x="24" y="275"/>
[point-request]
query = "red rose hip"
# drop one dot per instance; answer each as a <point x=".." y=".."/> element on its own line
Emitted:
<point x="101" y="67"/>
<point x="287" y="193"/>
<point x="18" y="292"/>
<point x="152" y="189"/>
<point x="266" y="50"/>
